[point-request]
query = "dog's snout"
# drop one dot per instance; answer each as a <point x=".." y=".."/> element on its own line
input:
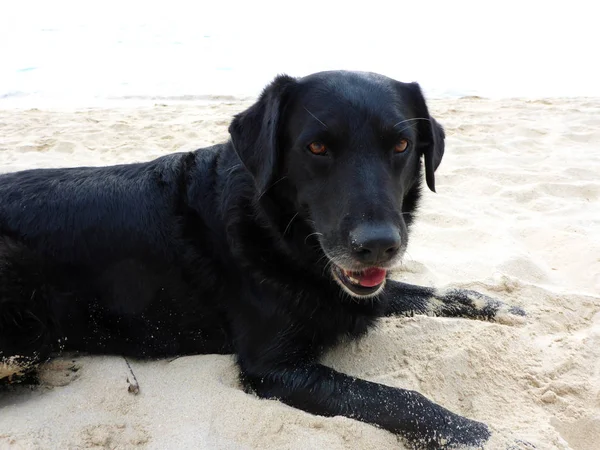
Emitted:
<point x="375" y="244"/>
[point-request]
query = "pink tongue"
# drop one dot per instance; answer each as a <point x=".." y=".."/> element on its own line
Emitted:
<point x="370" y="277"/>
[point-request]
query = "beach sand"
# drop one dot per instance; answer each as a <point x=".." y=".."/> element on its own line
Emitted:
<point x="516" y="216"/>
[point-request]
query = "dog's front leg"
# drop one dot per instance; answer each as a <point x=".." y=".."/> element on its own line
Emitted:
<point x="323" y="391"/>
<point x="407" y="299"/>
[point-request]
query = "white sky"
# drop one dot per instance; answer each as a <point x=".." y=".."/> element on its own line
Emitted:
<point x="500" y="48"/>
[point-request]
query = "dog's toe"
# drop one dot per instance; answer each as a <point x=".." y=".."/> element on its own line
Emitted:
<point x="58" y="372"/>
<point x="510" y="315"/>
<point x="520" y="444"/>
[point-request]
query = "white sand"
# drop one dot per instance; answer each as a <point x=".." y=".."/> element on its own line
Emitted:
<point x="517" y="215"/>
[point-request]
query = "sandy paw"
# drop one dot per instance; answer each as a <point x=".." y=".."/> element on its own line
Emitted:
<point x="58" y="372"/>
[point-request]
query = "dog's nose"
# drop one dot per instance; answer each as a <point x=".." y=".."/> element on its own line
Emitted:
<point x="375" y="244"/>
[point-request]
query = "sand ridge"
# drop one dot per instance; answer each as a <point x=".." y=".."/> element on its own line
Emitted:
<point x="516" y="216"/>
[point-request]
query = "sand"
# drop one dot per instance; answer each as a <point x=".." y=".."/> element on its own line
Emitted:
<point x="517" y="216"/>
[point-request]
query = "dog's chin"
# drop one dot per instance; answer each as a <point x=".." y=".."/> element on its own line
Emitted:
<point x="360" y="283"/>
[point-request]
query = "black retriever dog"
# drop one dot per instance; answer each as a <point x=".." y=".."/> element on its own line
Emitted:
<point x="273" y="246"/>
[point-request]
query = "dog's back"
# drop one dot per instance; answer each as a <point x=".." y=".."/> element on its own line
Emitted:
<point x="77" y="215"/>
<point x="99" y="254"/>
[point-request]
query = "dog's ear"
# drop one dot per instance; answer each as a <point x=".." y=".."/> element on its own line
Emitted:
<point x="254" y="132"/>
<point x="431" y="133"/>
<point x="434" y="153"/>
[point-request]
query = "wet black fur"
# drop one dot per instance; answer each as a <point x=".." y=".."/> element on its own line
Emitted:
<point x="214" y="251"/>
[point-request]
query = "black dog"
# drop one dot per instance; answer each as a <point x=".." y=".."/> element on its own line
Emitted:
<point x="272" y="246"/>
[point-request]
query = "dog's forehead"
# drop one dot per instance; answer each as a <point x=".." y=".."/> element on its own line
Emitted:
<point x="344" y="79"/>
<point x="360" y="90"/>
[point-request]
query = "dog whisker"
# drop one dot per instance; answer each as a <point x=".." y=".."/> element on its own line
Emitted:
<point x="411" y="120"/>
<point x="406" y="127"/>
<point x="290" y="223"/>
<point x="316" y="118"/>
<point x="267" y="189"/>
<point x="233" y="168"/>
<point x="316" y="233"/>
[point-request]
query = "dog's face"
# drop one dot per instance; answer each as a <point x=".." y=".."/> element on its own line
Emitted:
<point x="349" y="145"/>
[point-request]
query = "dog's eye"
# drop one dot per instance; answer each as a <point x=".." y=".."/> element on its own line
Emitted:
<point x="401" y="146"/>
<point x="317" y="148"/>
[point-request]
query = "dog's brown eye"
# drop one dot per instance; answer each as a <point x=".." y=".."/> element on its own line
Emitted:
<point x="317" y="148"/>
<point x="401" y="146"/>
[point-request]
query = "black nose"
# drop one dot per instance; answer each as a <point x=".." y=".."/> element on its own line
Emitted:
<point x="375" y="244"/>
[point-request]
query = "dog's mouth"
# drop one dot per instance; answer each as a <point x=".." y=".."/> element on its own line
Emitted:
<point x="360" y="283"/>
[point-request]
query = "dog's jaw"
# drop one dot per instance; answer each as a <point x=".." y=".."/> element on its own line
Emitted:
<point x="351" y="283"/>
<point x="343" y="282"/>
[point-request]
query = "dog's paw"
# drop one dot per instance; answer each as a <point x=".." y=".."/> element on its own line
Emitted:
<point x="510" y="315"/>
<point x="58" y="372"/>
<point x="434" y="427"/>
<point x="475" y="305"/>
<point x="469" y="434"/>
<point x="460" y="432"/>
<point x="519" y="444"/>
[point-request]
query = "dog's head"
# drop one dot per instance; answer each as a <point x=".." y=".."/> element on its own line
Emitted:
<point x="348" y="149"/>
